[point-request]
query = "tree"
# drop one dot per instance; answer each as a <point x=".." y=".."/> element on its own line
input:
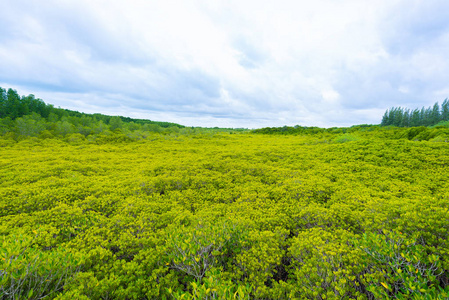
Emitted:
<point x="422" y="117"/>
<point x="100" y="127"/>
<point x="12" y="107"/>
<point x="30" y="125"/>
<point x="53" y="118"/>
<point x="397" y="116"/>
<point x="385" y="119"/>
<point x="405" y="122"/>
<point x="64" y="127"/>
<point x="435" y="114"/>
<point x="445" y="110"/>
<point x="6" y="125"/>
<point x="428" y="116"/>
<point x="403" y="117"/>
<point x="3" y="99"/>
<point x="415" y="118"/>
<point x="115" y="123"/>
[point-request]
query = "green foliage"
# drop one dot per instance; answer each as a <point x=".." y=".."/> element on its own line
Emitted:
<point x="346" y="138"/>
<point x="28" y="272"/>
<point x="325" y="265"/>
<point x="208" y="215"/>
<point x="213" y="287"/>
<point x="29" y="125"/>
<point x="398" y="266"/>
<point x="195" y="251"/>
<point x="27" y="116"/>
<point x="398" y="116"/>
<point x="440" y="139"/>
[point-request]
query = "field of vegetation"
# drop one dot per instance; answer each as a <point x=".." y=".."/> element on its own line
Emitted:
<point x="355" y="215"/>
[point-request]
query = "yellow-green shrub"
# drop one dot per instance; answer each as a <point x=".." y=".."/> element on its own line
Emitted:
<point x="28" y="272"/>
<point x="325" y="265"/>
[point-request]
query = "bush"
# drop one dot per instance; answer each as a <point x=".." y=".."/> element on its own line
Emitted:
<point x="75" y="139"/>
<point x="325" y="265"/>
<point x="28" y="272"/>
<point x="346" y="138"/>
<point x="194" y="251"/>
<point x="440" y="139"/>
<point x="396" y="265"/>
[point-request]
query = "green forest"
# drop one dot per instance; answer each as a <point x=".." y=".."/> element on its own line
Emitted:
<point x="22" y="117"/>
<point x="107" y="207"/>
<point x="405" y="117"/>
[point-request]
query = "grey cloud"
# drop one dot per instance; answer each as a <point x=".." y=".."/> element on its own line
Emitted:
<point x="72" y="54"/>
<point x="251" y="55"/>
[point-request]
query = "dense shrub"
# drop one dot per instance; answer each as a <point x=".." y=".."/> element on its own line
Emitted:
<point x="242" y="216"/>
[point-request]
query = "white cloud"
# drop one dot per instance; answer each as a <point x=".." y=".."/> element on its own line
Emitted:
<point x="330" y="96"/>
<point x="241" y="63"/>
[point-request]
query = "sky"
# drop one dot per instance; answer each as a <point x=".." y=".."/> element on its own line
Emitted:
<point x="229" y="63"/>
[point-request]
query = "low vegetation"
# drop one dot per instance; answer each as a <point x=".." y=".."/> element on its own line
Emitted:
<point x="344" y="215"/>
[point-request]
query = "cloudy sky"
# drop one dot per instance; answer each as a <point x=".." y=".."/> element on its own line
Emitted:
<point x="229" y="63"/>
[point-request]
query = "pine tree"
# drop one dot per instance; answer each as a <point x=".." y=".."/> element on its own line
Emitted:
<point x="403" y="117"/>
<point x="435" y="115"/>
<point x="385" y="119"/>
<point x="414" y="119"/>
<point x="422" y="117"/>
<point x="398" y="115"/>
<point x="405" y="122"/>
<point x="445" y="110"/>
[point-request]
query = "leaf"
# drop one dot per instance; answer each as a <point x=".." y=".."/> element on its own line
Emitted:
<point x="385" y="285"/>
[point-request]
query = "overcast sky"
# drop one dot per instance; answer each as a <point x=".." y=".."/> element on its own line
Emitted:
<point x="234" y="63"/>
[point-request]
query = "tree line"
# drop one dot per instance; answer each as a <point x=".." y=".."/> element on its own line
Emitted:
<point x="305" y="130"/>
<point x="14" y="106"/>
<point x="28" y="116"/>
<point x="404" y="117"/>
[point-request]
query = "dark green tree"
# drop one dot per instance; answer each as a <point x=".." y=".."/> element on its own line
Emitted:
<point x="3" y="99"/>
<point x="445" y="110"/>
<point x="386" y="119"/>
<point x="405" y="121"/>
<point x="415" y="118"/>
<point x="435" y="114"/>
<point x="12" y="105"/>
<point x="429" y="116"/>
<point x="422" y="117"/>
